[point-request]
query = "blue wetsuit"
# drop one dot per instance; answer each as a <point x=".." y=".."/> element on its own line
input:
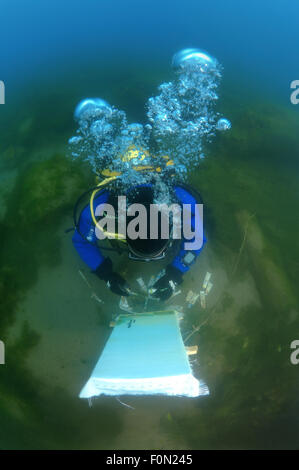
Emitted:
<point x="91" y="254"/>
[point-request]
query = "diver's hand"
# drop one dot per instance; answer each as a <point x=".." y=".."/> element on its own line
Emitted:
<point x="117" y="284"/>
<point x="165" y="286"/>
<point x="114" y="281"/>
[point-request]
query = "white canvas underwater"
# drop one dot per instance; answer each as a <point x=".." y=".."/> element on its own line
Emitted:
<point x="144" y="355"/>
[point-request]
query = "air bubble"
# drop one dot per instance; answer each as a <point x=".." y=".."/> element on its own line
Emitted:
<point x="223" y="125"/>
<point x="88" y="106"/>
<point x="190" y="57"/>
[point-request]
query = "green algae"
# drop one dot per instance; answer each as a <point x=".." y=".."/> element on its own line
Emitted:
<point x="48" y="190"/>
<point x="249" y="372"/>
<point x="43" y="195"/>
<point x="273" y="281"/>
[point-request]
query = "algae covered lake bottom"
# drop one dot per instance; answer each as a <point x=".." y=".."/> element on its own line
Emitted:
<point x="54" y="331"/>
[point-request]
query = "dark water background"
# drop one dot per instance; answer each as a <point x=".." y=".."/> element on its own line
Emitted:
<point x="50" y="57"/>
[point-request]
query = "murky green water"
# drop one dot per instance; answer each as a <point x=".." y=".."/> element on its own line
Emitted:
<point x="54" y="331"/>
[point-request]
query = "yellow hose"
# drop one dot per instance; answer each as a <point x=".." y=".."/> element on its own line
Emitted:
<point x="118" y="236"/>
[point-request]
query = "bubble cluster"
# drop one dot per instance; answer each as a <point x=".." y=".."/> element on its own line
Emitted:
<point x="181" y="120"/>
<point x="182" y="115"/>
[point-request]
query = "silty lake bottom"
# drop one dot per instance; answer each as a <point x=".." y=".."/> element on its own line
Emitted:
<point x="54" y="331"/>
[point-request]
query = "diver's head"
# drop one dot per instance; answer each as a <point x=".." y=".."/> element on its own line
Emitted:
<point x="149" y="248"/>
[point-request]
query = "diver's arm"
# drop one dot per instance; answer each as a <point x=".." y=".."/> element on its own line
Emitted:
<point x="186" y="258"/>
<point x="174" y="272"/>
<point x="90" y="253"/>
<point x="86" y="247"/>
<point x="182" y="262"/>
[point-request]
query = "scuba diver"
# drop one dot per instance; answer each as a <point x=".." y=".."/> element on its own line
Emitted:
<point x="147" y="250"/>
<point x="142" y="158"/>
